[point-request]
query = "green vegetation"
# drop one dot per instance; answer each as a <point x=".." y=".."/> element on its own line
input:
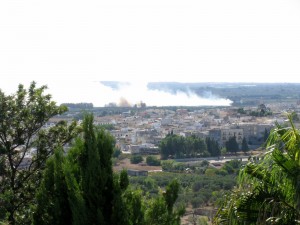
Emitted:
<point x="268" y="186"/>
<point x="232" y="145"/>
<point x="180" y="147"/>
<point x="245" y="147"/>
<point x="135" y="159"/>
<point x="81" y="188"/>
<point x="116" y="153"/>
<point x="152" y="161"/>
<point x="22" y="117"/>
<point x="197" y="190"/>
<point x="74" y="187"/>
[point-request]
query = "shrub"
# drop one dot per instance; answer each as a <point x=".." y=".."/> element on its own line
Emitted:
<point x="152" y="161"/>
<point x="135" y="159"/>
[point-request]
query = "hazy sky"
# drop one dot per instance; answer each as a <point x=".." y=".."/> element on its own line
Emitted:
<point x="70" y="45"/>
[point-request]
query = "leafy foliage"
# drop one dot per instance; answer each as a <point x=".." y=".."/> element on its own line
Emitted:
<point x="180" y="147"/>
<point x="245" y="146"/>
<point x="268" y="191"/>
<point x="81" y="188"/>
<point x="25" y="145"/>
<point x="152" y="161"/>
<point x="91" y="191"/>
<point x="161" y="209"/>
<point x="135" y="159"/>
<point x="232" y="145"/>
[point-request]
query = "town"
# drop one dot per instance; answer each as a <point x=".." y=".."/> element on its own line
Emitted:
<point x="139" y="130"/>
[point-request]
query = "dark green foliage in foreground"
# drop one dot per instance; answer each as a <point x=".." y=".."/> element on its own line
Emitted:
<point x="268" y="191"/>
<point x="22" y="117"/>
<point x="81" y="188"/>
<point x="89" y="189"/>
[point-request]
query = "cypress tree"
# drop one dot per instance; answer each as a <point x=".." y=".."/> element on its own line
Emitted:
<point x="52" y="195"/>
<point x="245" y="146"/>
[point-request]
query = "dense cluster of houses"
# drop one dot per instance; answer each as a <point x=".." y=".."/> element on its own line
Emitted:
<point x="142" y="132"/>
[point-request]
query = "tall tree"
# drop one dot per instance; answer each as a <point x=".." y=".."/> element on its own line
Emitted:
<point x="268" y="191"/>
<point x="88" y="187"/>
<point x="83" y="183"/>
<point x="162" y="210"/>
<point x="53" y="194"/>
<point x="22" y="117"/>
<point x="245" y="146"/>
<point x="213" y="147"/>
<point x="232" y="145"/>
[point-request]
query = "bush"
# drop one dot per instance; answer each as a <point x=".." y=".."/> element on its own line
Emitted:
<point x="117" y="152"/>
<point x="135" y="159"/>
<point x="152" y="161"/>
<point x="222" y="172"/>
<point x="197" y="202"/>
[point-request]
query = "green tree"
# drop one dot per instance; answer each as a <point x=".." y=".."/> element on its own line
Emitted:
<point x="53" y="194"/>
<point x="213" y="147"/>
<point x="245" y="146"/>
<point x="135" y="206"/>
<point x="117" y="152"/>
<point x="22" y="117"/>
<point x="90" y="190"/>
<point x="232" y="145"/>
<point x="83" y="184"/>
<point x="135" y="159"/>
<point x="268" y="191"/>
<point x="152" y="161"/>
<point x="161" y="210"/>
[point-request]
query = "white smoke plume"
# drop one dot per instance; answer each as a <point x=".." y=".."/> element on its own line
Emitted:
<point x="135" y="92"/>
<point x="130" y="93"/>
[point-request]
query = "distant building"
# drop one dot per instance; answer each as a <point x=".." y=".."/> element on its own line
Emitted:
<point x="226" y="134"/>
<point x="223" y="135"/>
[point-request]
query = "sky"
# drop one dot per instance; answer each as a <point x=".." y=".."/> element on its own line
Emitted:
<point x="72" y="45"/>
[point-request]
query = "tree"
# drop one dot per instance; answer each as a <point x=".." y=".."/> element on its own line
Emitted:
<point x="161" y="210"/>
<point x="135" y="159"/>
<point x="232" y="145"/>
<point x="213" y="147"/>
<point x="245" y="146"/>
<point x="83" y="184"/>
<point x="268" y="191"/>
<point x="152" y="161"/>
<point x="135" y="206"/>
<point x="52" y="194"/>
<point x="91" y="191"/>
<point x="25" y="146"/>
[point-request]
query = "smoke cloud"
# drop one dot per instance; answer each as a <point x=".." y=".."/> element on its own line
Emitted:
<point x="128" y="94"/>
